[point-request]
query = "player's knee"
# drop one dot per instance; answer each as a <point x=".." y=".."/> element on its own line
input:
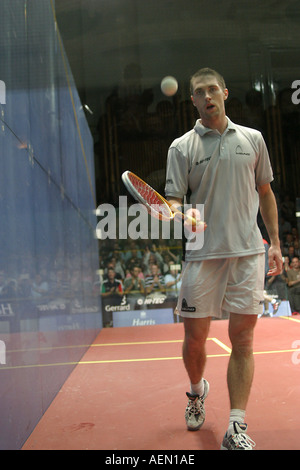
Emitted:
<point x="194" y="345"/>
<point x="242" y="343"/>
<point x="241" y="331"/>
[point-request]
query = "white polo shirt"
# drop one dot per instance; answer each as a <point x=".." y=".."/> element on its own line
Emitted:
<point x="222" y="172"/>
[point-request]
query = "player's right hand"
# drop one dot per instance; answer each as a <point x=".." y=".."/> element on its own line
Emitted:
<point x="193" y="222"/>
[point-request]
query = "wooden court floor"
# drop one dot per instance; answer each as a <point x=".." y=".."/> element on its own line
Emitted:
<point x="128" y="392"/>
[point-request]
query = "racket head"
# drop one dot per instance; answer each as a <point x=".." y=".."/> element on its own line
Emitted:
<point x="155" y="204"/>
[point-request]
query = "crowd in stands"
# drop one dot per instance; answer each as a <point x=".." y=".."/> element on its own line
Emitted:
<point x="142" y="267"/>
<point x="135" y="269"/>
<point x="47" y="277"/>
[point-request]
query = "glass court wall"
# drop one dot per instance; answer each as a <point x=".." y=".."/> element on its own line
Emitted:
<point x="49" y="311"/>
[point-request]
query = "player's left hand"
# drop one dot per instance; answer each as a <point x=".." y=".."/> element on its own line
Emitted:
<point x="275" y="261"/>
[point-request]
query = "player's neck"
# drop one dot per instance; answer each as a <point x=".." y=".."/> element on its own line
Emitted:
<point x="219" y="123"/>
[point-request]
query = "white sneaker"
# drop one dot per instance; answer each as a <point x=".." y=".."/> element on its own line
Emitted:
<point x="195" y="412"/>
<point x="238" y="439"/>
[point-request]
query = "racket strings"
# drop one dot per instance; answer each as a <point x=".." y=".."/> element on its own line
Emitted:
<point x="150" y="197"/>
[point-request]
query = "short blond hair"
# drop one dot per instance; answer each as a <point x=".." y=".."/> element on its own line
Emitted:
<point x="204" y="73"/>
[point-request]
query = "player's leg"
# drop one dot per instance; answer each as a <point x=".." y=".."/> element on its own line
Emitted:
<point x="200" y="298"/>
<point x="239" y="378"/>
<point x="244" y="297"/>
<point x="194" y="347"/>
<point x="241" y="364"/>
<point x="194" y="358"/>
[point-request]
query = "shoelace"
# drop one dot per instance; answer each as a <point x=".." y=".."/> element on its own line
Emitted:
<point x="242" y="440"/>
<point x="195" y="406"/>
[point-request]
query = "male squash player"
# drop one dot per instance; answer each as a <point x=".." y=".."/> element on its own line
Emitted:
<point x="225" y="167"/>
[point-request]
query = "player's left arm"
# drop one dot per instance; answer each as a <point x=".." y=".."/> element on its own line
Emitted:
<point x="269" y="213"/>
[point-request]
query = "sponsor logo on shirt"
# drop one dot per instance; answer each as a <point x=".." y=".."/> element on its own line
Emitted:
<point x="239" y="151"/>
<point x="203" y="161"/>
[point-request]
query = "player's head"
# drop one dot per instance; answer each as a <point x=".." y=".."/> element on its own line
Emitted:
<point x="208" y="94"/>
<point x="204" y="73"/>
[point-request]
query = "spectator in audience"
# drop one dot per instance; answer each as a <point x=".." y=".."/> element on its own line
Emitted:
<point x="285" y="269"/>
<point x="134" y="261"/>
<point x="75" y="282"/>
<point x="8" y="287"/>
<point x="131" y="252"/>
<point x="117" y="263"/>
<point x="296" y="248"/>
<point x="173" y="280"/>
<point x="289" y="241"/>
<point x="154" y="282"/>
<point x="24" y="286"/>
<point x="294" y="232"/>
<point x="111" y="247"/>
<point x="112" y="293"/>
<point x="61" y="285"/>
<point x="286" y="265"/>
<point x="134" y="287"/>
<point x="111" y="286"/>
<point x="98" y="281"/>
<point x="87" y="281"/>
<point x="112" y="265"/>
<point x="168" y="259"/>
<point x="291" y="253"/>
<point x="294" y="285"/>
<point x="39" y="287"/>
<point x="148" y="262"/>
<point x="151" y="256"/>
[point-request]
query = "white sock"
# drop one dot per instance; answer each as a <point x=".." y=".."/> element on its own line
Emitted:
<point x="236" y="415"/>
<point x="197" y="389"/>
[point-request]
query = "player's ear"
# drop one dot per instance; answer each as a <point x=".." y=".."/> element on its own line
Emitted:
<point x="226" y="93"/>
<point x="193" y="101"/>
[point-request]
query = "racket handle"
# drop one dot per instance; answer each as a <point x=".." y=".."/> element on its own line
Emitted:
<point x="194" y="222"/>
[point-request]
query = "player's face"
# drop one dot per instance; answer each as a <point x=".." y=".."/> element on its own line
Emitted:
<point x="209" y="97"/>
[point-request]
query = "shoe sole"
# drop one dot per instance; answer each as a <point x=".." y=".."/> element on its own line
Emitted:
<point x="197" y="428"/>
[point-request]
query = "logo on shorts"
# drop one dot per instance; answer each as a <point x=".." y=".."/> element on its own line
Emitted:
<point x="186" y="308"/>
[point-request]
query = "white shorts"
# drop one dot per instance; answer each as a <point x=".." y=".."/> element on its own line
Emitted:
<point x="211" y="288"/>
